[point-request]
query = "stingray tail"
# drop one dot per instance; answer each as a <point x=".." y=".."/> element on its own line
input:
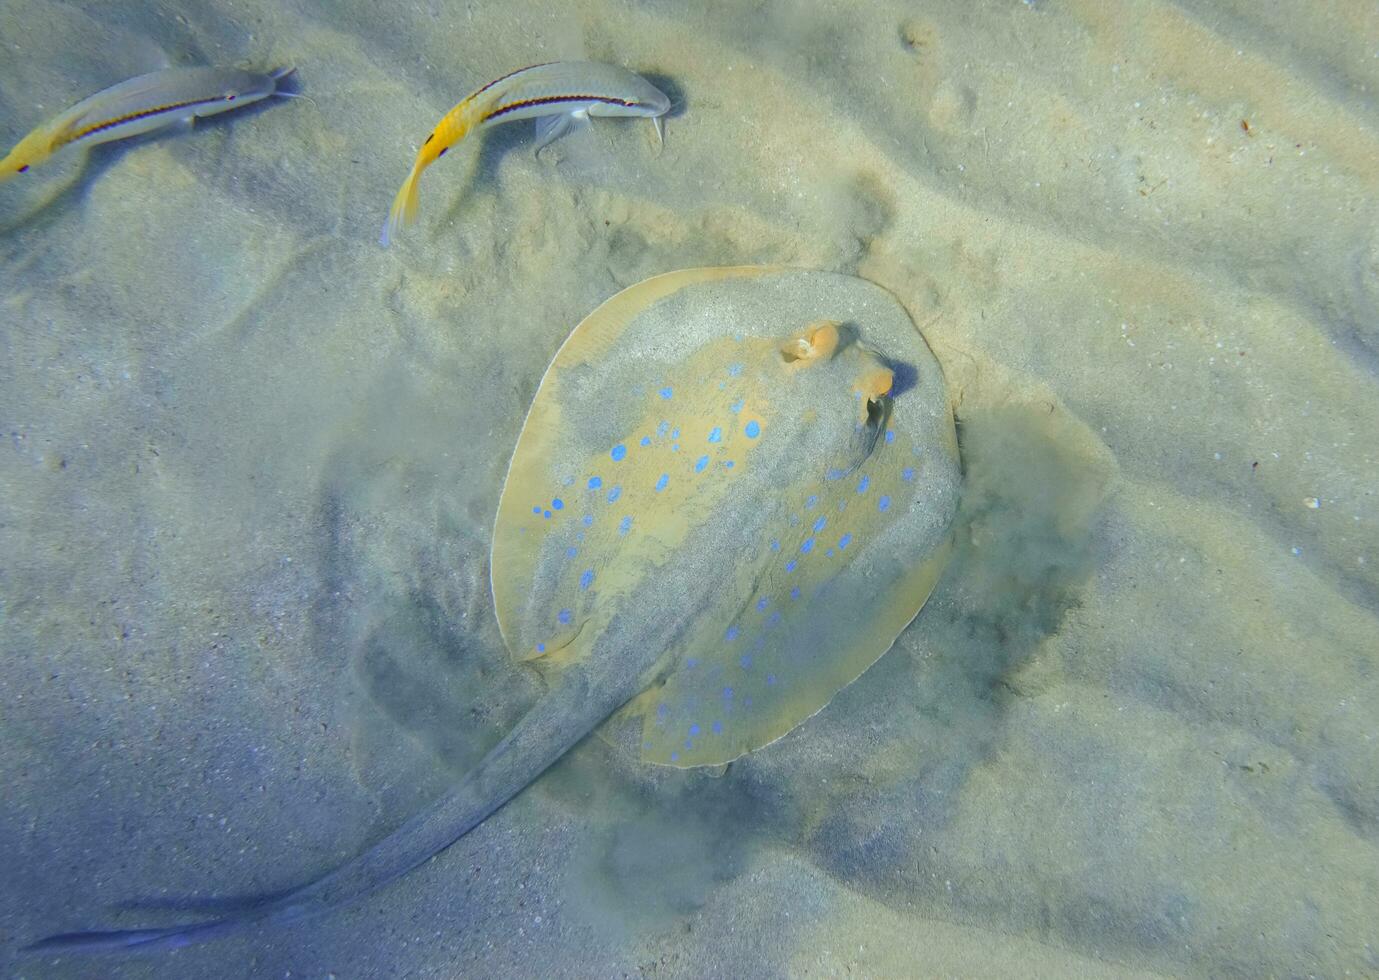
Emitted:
<point x="128" y="940"/>
<point x="404" y="209"/>
<point x="554" y="725"/>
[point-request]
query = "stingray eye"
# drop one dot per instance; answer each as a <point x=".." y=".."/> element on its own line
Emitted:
<point x="230" y="97"/>
<point x="816" y="342"/>
<point x="23" y="170"/>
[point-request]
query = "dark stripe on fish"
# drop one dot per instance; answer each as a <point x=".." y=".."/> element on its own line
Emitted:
<point x="551" y="99"/>
<point x="144" y="114"/>
<point x="503" y="78"/>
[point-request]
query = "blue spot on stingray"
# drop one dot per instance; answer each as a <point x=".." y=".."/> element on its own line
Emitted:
<point x="795" y="592"/>
<point x="692" y="662"/>
<point x="625" y="524"/>
<point x="694" y="729"/>
<point x="675" y="757"/>
<point x="587" y="519"/>
<point x="541" y="648"/>
<point x="618" y="452"/>
<point x="689" y="743"/>
<point x="753" y="429"/>
<point x="718" y="728"/>
<point x="790" y="565"/>
<point x="614" y="494"/>
<point x="571" y="551"/>
<point x="731" y="634"/>
<point x="727" y="692"/>
<point x="716" y="434"/>
<point x="728" y="464"/>
<point x="884" y="503"/>
<point x="595" y="482"/>
<point x="546" y="514"/>
<point x="836" y="474"/>
<point x="807" y="547"/>
<point x="746" y="661"/>
<point x="770" y="678"/>
<point x="536" y="510"/>
<point x="890" y="435"/>
<point x="557" y="504"/>
<point x="662" y="429"/>
<point x="700" y="463"/>
<point x="675" y="447"/>
<point x="828" y="553"/>
<point x="587" y="579"/>
<point x="775" y="545"/>
<point x="844" y="541"/>
<point x="675" y="433"/>
<point x="564" y="617"/>
<point x="736" y="406"/>
<point x="907" y="474"/>
<point x="820" y="524"/>
<point x="646" y="440"/>
<point x="666" y="392"/>
<point x="661" y="483"/>
<point x="863" y="483"/>
<point x="761" y="603"/>
<point x="809" y="504"/>
<point x="734" y="369"/>
<point x="775" y="618"/>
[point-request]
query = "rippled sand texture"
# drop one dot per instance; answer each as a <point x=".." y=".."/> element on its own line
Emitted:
<point x="251" y="463"/>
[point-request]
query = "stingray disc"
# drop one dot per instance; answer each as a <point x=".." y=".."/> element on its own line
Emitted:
<point x="760" y="463"/>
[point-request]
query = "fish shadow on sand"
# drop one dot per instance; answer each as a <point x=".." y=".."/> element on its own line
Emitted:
<point x="62" y="190"/>
<point x="672" y="90"/>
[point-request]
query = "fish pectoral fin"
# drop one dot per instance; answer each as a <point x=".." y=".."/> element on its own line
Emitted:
<point x="551" y="128"/>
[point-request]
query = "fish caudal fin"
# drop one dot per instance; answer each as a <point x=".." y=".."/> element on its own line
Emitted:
<point x="404" y="209"/>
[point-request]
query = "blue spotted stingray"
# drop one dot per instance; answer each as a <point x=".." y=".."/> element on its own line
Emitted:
<point x="731" y="493"/>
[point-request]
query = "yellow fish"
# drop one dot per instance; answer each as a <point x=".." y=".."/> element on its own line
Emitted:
<point x="142" y="105"/>
<point x="556" y="95"/>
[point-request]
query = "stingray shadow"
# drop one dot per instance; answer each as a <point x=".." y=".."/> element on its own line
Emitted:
<point x="866" y="787"/>
<point x="929" y="713"/>
<point x="904" y="377"/>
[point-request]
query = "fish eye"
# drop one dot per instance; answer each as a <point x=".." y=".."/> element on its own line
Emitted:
<point x="230" y="96"/>
<point x="23" y="170"/>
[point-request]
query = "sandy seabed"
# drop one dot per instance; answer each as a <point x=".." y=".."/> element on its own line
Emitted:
<point x="251" y="462"/>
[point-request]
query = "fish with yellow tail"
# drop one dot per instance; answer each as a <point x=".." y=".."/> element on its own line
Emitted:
<point x="556" y="95"/>
<point x="142" y="105"/>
